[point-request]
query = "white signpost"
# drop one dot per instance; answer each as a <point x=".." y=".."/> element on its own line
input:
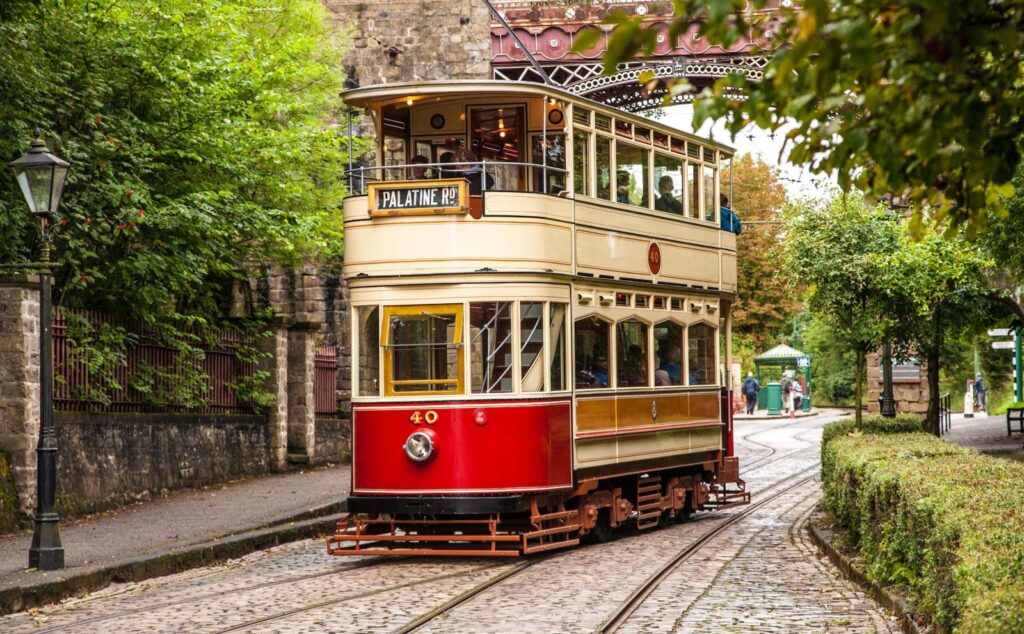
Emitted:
<point x="1002" y="345"/>
<point x="1000" y="332"/>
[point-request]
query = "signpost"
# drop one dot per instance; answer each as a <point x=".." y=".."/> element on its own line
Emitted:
<point x="1000" y="332"/>
<point x="1003" y="345"/>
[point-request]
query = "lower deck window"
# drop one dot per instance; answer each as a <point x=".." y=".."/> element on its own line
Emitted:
<point x="490" y="348"/>
<point x="423" y="349"/>
<point x="701" y="354"/>
<point x="592" y="339"/>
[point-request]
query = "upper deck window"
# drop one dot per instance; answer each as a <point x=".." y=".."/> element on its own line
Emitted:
<point x="497" y="136"/>
<point x="632" y="164"/>
<point x="624" y="128"/>
<point x="661" y="140"/>
<point x="668" y="183"/>
<point x="710" y="204"/>
<point x="581" y="162"/>
<point x="581" y="116"/>
<point x="603" y="122"/>
<point x="552" y="179"/>
<point x="678" y="145"/>
<point x="603" y="162"/>
<point x="423" y="349"/>
<point x="693" y="190"/>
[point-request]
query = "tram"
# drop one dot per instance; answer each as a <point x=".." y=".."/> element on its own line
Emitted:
<point x="540" y="288"/>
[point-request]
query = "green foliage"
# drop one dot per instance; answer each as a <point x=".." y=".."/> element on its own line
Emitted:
<point x="874" y="424"/>
<point x="10" y="514"/>
<point x="943" y="522"/>
<point x="102" y="350"/>
<point x="199" y="141"/>
<point x="833" y="364"/>
<point x="912" y="97"/>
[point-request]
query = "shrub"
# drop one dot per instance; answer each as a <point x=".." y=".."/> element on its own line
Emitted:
<point x="941" y="521"/>
<point x="874" y="424"/>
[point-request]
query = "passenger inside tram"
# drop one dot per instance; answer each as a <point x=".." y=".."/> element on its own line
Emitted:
<point x="419" y="173"/>
<point x="666" y="199"/>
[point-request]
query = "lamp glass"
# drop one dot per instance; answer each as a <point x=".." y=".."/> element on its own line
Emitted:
<point x="42" y="186"/>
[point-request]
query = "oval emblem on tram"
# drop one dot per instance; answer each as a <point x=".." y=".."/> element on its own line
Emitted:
<point x="654" y="258"/>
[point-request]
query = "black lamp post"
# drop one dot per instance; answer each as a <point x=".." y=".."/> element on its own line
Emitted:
<point x="886" y="402"/>
<point x="41" y="177"/>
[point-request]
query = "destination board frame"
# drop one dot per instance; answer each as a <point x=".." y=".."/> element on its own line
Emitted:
<point x="460" y="208"/>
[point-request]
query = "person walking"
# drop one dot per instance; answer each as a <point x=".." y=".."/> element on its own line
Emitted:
<point x="750" y="389"/>
<point x="979" y="391"/>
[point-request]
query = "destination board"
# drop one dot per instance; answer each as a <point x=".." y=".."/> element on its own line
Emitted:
<point x="411" y="198"/>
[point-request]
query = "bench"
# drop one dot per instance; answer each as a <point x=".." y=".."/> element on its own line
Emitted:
<point x="1014" y="415"/>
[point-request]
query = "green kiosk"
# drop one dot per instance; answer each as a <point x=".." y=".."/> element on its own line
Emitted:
<point x="782" y="357"/>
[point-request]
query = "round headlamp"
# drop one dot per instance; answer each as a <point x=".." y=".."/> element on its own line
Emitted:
<point x="419" y="446"/>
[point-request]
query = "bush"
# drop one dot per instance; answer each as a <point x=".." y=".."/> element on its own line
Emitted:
<point x="874" y="424"/>
<point x="941" y="521"/>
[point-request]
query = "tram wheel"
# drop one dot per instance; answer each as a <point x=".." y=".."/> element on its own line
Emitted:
<point x="602" y="531"/>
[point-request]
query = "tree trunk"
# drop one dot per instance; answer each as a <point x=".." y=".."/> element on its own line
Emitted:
<point x="858" y="390"/>
<point x="932" y="358"/>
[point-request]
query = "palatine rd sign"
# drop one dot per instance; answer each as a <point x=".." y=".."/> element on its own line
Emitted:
<point x="416" y="198"/>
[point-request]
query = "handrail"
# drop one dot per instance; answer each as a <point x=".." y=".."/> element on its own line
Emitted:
<point x="359" y="177"/>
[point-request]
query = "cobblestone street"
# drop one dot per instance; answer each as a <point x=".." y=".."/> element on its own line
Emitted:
<point x="758" y="573"/>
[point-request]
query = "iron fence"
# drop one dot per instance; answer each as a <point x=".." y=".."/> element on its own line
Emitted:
<point x="144" y="374"/>
<point x="945" y="413"/>
<point x="325" y="380"/>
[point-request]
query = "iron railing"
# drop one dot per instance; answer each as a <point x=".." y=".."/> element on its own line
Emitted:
<point x="945" y="413"/>
<point x="482" y="175"/>
<point x="146" y="373"/>
<point x="325" y="380"/>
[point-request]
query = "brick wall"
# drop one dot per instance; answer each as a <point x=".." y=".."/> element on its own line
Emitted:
<point x="911" y="397"/>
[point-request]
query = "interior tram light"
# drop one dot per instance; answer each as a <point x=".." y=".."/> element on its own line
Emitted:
<point x="419" y="446"/>
<point x="408" y="101"/>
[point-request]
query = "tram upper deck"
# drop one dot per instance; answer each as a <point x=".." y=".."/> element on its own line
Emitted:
<point x="488" y="176"/>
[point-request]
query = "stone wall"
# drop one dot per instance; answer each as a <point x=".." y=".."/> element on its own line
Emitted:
<point x="107" y="460"/>
<point x="19" y="382"/>
<point x="414" y="40"/>
<point x="11" y="517"/>
<point x="911" y="396"/>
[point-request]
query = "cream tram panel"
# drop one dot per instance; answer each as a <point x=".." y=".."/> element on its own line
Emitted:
<point x="404" y="245"/>
<point x="627" y="256"/>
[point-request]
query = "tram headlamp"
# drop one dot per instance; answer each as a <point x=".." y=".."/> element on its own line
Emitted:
<point x="419" y="446"/>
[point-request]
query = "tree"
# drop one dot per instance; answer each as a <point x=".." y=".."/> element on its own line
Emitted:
<point x="839" y="250"/>
<point x="912" y="97"/>
<point x="765" y="305"/>
<point x="199" y="139"/>
<point x="939" y="291"/>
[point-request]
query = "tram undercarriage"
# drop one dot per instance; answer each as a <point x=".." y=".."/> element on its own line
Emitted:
<point x="593" y="510"/>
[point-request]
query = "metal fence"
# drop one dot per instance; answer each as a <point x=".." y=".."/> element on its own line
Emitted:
<point x="325" y="380"/>
<point x="145" y="371"/>
<point x="945" y="413"/>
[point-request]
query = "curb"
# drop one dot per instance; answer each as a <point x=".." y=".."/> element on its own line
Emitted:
<point x="305" y="525"/>
<point x="895" y="604"/>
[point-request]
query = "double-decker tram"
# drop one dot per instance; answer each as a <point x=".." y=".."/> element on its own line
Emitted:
<point x="540" y="289"/>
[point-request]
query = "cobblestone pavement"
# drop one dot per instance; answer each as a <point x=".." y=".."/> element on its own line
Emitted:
<point x="758" y="575"/>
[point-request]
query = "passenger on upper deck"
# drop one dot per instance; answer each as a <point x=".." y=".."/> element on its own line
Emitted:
<point x="666" y="201"/>
<point x="730" y="221"/>
<point x="419" y="173"/>
<point x="622" y="187"/>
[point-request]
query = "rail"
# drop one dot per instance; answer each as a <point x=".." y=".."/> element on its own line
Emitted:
<point x="945" y="413"/>
<point x="482" y="176"/>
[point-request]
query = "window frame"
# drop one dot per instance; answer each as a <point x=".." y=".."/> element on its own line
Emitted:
<point x="714" y="355"/>
<point x="683" y="376"/>
<point x="387" y="312"/>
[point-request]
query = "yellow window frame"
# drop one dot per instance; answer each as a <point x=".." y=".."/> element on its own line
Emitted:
<point x="421" y="309"/>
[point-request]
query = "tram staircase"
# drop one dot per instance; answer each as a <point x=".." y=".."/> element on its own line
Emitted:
<point x="498" y="359"/>
<point x="648" y="502"/>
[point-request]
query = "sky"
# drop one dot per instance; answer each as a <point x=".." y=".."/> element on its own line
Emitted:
<point x="799" y="182"/>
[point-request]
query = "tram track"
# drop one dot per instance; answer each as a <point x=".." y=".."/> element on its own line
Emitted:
<point x="638" y="596"/>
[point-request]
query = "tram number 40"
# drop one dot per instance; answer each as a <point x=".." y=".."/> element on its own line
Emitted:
<point x="429" y="417"/>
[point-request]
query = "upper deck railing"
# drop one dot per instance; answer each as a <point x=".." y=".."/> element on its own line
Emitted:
<point x="482" y="176"/>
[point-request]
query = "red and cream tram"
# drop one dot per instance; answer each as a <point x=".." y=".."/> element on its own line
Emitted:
<point x="540" y="291"/>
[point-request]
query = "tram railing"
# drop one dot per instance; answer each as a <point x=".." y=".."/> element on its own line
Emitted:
<point x="482" y="175"/>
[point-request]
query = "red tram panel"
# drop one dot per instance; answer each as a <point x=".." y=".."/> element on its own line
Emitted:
<point x="518" y="446"/>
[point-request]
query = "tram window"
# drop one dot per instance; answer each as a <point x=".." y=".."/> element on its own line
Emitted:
<point x="693" y="150"/>
<point x="632" y="171"/>
<point x="668" y="346"/>
<point x="701" y="354"/>
<point x="668" y="180"/>
<point x="642" y="134"/>
<point x="603" y="122"/>
<point x="710" y="208"/>
<point x="581" y="163"/>
<point x="631" y="357"/>
<point x="693" y="190"/>
<point x="677" y="303"/>
<point x="592" y="336"/>
<point x="678" y="145"/>
<point x="394" y="154"/>
<point x="642" y="301"/>
<point x="497" y="137"/>
<point x="368" y="329"/>
<point x="581" y="116"/>
<point x="623" y="299"/>
<point x="490" y="347"/>
<point x="659" y="302"/>
<point x="555" y="159"/>
<point x="531" y="345"/>
<point x="604" y="167"/>
<point x="559" y="339"/>
<point x="624" y="128"/>
<point x="661" y="140"/>
<point x="423" y="346"/>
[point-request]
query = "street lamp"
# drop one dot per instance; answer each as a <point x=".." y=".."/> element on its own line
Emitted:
<point x="41" y="177"/>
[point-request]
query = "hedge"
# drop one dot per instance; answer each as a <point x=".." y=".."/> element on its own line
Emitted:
<point x="942" y="522"/>
<point x="874" y="424"/>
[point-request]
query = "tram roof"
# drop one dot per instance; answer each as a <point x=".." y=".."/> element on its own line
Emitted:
<point x="387" y="93"/>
